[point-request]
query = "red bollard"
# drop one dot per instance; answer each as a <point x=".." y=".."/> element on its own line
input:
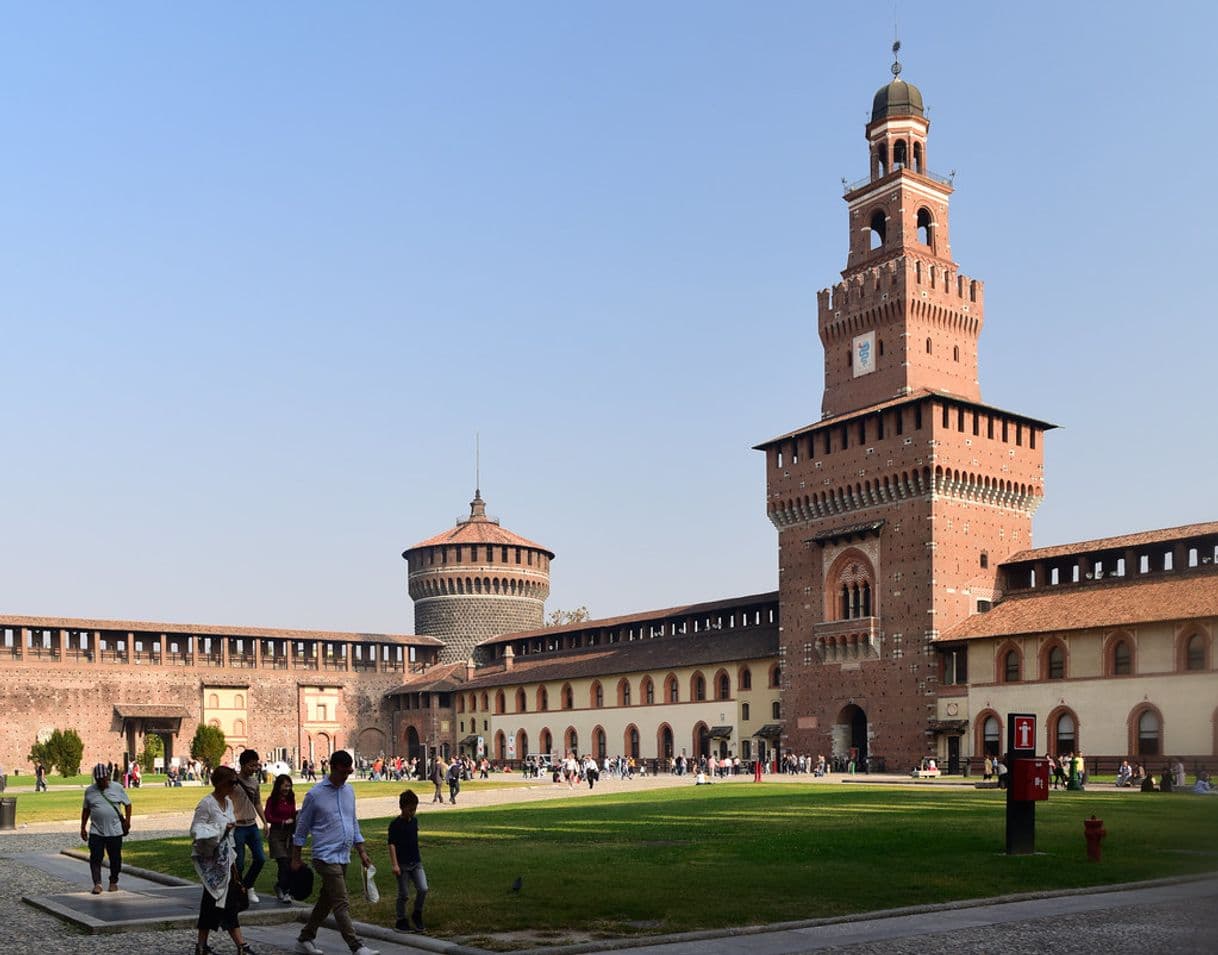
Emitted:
<point x="1094" y="831"/>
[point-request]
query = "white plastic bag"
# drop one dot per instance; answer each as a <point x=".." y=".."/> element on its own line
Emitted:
<point x="371" y="893"/>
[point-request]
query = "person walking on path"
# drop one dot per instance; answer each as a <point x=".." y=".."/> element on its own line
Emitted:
<point x="105" y="818"/>
<point x="328" y="815"/>
<point x="40" y="778"/>
<point x="454" y="782"/>
<point x="280" y="813"/>
<point x="214" y="856"/>
<point x="406" y="862"/>
<point x="247" y="807"/>
<point x="438" y="772"/>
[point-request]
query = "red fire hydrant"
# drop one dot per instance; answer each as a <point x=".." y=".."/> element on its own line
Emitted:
<point x="1094" y="831"/>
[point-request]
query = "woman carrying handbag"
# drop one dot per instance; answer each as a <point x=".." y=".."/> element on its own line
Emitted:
<point x="214" y="855"/>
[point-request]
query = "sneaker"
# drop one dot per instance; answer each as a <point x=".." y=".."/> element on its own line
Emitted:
<point x="97" y="889"/>
<point x="365" y="950"/>
<point x="402" y="925"/>
<point x="254" y="900"/>
<point x="418" y="922"/>
<point x="308" y="948"/>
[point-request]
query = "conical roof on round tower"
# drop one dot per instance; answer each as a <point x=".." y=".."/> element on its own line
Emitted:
<point x="478" y="528"/>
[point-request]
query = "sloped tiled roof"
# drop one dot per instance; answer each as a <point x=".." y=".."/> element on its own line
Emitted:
<point x="1122" y="542"/>
<point x="913" y="396"/>
<point x="668" y="613"/>
<point x="207" y="629"/>
<point x="478" y="529"/>
<point x="1113" y="603"/>
<point x="135" y="711"/>
<point x="438" y="679"/>
<point x="662" y="653"/>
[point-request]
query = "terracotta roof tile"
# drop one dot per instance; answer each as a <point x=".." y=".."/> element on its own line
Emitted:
<point x="918" y="395"/>
<point x="663" y="653"/>
<point x="478" y="529"/>
<point x="1113" y="603"/>
<point x="1125" y="541"/>
<point x="206" y="629"/>
<point x="438" y="679"/>
<point x="668" y="613"/>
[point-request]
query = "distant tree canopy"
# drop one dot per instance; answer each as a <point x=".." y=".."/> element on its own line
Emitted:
<point x="560" y="618"/>
<point x="208" y="745"/>
<point x="62" y="751"/>
<point x="154" y="747"/>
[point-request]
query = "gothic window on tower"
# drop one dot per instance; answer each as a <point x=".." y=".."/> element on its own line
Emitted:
<point x="926" y="227"/>
<point x="850" y="582"/>
<point x="879" y="228"/>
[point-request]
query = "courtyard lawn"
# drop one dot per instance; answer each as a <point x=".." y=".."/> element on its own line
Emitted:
<point x="64" y="804"/>
<point x="734" y="855"/>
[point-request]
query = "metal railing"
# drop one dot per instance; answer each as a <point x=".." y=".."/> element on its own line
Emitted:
<point x="849" y="187"/>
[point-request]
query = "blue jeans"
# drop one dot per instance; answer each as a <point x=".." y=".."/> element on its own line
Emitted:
<point x="412" y="874"/>
<point x="251" y="835"/>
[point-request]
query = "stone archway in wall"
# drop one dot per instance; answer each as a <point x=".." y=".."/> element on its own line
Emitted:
<point x="850" y="732"/>
<point x="701" y="740"/>
<point x="370" y="742"/>
<point x="414" y="748"/>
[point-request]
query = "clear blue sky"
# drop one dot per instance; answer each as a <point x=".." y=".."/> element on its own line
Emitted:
<point x="266" y="269"/>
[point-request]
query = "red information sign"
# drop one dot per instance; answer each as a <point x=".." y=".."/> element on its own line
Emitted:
<point x="1024" y="733"/>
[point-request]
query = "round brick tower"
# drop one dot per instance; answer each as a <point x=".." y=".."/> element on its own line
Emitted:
<point x="475" y="581"/>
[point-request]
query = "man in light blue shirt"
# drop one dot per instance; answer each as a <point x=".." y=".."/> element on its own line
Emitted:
<point x="328" y="815"/>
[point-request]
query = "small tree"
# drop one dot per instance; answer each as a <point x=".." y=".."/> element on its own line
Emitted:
<point x="63" y="750"/>
<point x="208" y="746"/>
<point x="560" y="618"/>
<point x="154" y="746"/>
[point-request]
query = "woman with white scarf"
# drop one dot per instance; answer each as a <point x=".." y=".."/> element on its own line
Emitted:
<point x="214" y="855"/>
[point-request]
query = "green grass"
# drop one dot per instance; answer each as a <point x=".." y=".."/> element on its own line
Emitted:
<point x="58" y="805"/>
<point x="731" y="855"/>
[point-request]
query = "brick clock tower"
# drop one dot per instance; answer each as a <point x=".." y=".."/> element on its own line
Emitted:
<point x="895" y="509"/>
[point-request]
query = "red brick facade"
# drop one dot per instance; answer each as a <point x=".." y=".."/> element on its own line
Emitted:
<point x="895" y="510"/>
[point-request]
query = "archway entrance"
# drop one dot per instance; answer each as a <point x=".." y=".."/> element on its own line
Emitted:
<point x="850" y="734"/>
<point x="414" y="749"/>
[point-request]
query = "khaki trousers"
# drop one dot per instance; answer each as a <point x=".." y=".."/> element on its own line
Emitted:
<point x="333" y="898"/>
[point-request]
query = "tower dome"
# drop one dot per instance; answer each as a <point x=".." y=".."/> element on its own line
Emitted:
<point x="898" y="98"/>
<point x="476" y="580"/>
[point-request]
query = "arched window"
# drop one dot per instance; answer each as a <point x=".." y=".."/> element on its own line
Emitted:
<point x="849" y="587"/>
<point x="597" y="695"/>
<point x="929" y="347"/>
<point x="213" y="701"/>
<point x="775" y="676"/>
<point x="238" y="728"/>
<point x="485" y="701"/>
<point x="547" y="741"/>
<point x="1011" y="667"/>
<point x="500" y="702"/>
<point x="522" y="744"/>
<point x="543" y="699"/>
<point x="1065" y="734"/>
<point x="1195" y="653"/>
<point x="926" y="227"/>
<point x="697" y="688"/>
<point x="664" y="741"/>
<point x="623" y="692"/>
<point x="1120" y="657"/>
<point x="745" y="678"/>
<point x="571" y="740"/>
<point x="776" y="709"/>
<point x="568" y="697"/>
<point x="598" y="743"/>
<point x="631" y="741"/>
<point x="1053" y="662"/>
<point x="917" y="153"/>
<point x="723" y="687"/>
<point x="879" y="228"/>
<point x="500" y="746"/>
<point x="672" y="691"/>
<point x="239" y="701"/>
<point x="648" y="691"/>
<point x="460" y="702"/>
<point x="955" y="353"/>
<point x="992" y="736"/>
<point x="1149" y="733"/>
<point x="521" y="701"/>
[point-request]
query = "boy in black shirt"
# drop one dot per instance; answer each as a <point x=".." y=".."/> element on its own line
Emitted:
<point x="404" y="858"/>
